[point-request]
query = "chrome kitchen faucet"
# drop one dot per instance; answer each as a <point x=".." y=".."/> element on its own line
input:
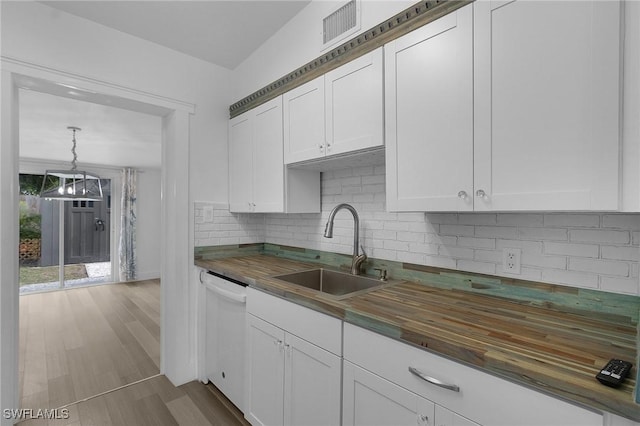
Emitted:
<point x="357" y="260"/>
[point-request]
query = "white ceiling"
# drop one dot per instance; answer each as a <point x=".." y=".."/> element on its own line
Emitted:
<point x="109" y="136"/>
<point x="221" y="32"/>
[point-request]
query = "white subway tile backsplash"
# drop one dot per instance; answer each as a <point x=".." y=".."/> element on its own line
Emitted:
<point x="497" y="232"/>
<point x="599" y="236"/>
<point x="532" y="246"/>
<point x="619" y="285"/>
<point x="456" y="252"/>
<point x="543" y="261"/>
<point x="570" y="278"/>
<point x="461" y="230"/>
<point x="621" y="221"/>
<point x="431" y="249"/>
<point x="590" y="250"/>
<point x="543" y="234"/>
<point x="395" y="245"/>
<point x="477" y="219"/>
<point x="440" y="262"/>
<point x="476" y="242"/>
<point x="410" y="257"/>
<point x="570" y="249"/>
<point x="631" y="253"/>
<point x="605" y="267"/>
<point x="477" y="267"/>
<point x="520" y="219"/>
<point x="492" y="256"/>
<point x="566" y="220"/>
<point x="410" y="237"/>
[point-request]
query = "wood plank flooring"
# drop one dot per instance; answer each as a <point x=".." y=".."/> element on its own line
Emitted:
<point x="85" y="342"/>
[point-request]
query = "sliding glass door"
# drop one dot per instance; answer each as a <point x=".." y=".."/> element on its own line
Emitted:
<point x="63" y="243"/>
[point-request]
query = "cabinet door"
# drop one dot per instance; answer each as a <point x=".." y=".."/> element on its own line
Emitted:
<point x="546" y="104"/>
<point x="268" y="166"/>
<point x="429" y="116"/>
<point x="312" y="384"/>
<point x="265" y="373"/>
<point x="304" y="137"/>
<point x="446" y="417"/>
<point x="370" y="400"/>
<point x="240" y="163"/>
<point x="354" y="112"/>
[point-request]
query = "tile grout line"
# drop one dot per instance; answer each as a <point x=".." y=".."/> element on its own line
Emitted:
<point x="108" y="391"/>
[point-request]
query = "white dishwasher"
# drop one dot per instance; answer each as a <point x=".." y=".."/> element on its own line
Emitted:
<point x="225" y="317"/>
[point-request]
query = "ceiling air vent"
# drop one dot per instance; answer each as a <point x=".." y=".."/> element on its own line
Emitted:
<point x="341" y="23"/>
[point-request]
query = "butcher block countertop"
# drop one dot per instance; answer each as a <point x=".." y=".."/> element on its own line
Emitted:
<point x="553" y="351"/>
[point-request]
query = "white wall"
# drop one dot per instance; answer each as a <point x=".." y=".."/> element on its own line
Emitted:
<point x="49" y="42"/>
<point x="300" y="41"/>
<point x="36" y="33"/>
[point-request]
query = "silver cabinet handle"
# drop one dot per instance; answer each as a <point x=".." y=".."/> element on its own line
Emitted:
<point x="462" y="195"/>
<point x="433" y="381"/>
<point x="423" y="419"/>
<point x="480" y="193"/>
<point x="321" y="147"/>
<point x="328" y="146"/>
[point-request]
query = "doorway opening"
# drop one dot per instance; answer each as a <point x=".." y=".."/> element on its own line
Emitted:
<point x="63" y="244"/>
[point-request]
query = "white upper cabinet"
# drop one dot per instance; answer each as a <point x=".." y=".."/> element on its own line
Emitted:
<point x="506" y="106"/>
<point x="354" y="110"/>
<point x="547" y="105"/>
<point x="304" y="122"/>
<point x="256" y="170"/>
<point x="240" y="163"/>
<point x="257" y="178"/>
<point x="339" y="112"/>
<point x="429" y="116"/>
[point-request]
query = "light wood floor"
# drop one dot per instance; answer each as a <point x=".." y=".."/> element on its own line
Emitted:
<point x="79" y="343"/>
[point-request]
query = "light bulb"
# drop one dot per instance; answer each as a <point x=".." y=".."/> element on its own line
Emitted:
<point x="61" y="190"/>
<point x="70" y="190"/>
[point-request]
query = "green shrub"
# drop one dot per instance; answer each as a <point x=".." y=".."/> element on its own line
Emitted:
<point x="29" y="226"/>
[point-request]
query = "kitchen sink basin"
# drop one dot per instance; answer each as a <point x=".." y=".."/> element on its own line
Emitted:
<point x="333" y="283"/>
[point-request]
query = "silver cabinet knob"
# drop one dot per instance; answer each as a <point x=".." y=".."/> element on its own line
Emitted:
<point x="328" y="147"/>
<point x="423" y="420"/>
<point x="462" y="195"/>
<point x="321" y="147"/>
<point x="481" y="193"/>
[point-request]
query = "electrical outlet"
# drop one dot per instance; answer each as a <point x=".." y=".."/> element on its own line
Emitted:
<point x="511" y="260"/>
<point x="208" y="213"/>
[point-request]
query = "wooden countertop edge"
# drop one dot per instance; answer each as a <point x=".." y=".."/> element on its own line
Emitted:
<point x="494" y="360"/>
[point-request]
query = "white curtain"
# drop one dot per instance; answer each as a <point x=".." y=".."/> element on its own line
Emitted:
<point x="128" y="226"/>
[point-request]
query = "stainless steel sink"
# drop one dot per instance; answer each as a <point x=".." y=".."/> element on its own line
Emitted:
<point x="333" y="283"/>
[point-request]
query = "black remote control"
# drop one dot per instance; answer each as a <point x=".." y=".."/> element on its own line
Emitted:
<point x="614" y="373"/>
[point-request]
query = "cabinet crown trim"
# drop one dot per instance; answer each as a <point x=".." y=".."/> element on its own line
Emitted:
<point x="404" y="22"/>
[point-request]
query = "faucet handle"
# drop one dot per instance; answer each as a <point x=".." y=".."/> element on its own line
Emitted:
<point x="382" y="273"/>
<point x="362" y="250"/>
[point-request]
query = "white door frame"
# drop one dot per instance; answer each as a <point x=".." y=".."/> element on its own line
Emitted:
<point x="177" y="342"/>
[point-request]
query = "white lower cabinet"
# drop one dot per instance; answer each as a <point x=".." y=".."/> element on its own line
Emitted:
<point x="379" y="389"/>
<point x="370" y="400"/>
<point x="291" y="380"/>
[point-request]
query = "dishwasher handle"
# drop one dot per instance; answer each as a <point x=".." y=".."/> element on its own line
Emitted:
<point x="229" y="295"/>
<point x="234" y="297"/>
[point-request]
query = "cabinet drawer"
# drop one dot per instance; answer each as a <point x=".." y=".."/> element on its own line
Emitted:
<point x="319" y="329"/>
<point x="482" y="397"/>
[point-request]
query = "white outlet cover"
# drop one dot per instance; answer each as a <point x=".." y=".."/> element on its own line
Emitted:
<point x="511" y="260"/>
<point x="208" y="213"/>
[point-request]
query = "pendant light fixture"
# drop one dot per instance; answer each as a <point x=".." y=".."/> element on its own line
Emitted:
<point x="71" y="185"/>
